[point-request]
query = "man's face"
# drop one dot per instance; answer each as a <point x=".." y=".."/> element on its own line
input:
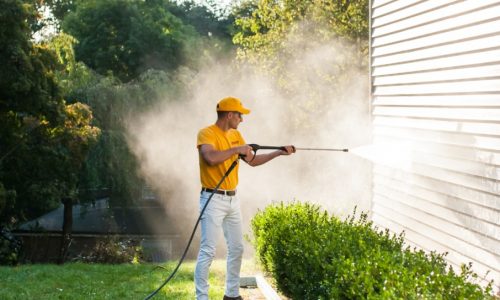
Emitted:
<point x="235" y="118"/>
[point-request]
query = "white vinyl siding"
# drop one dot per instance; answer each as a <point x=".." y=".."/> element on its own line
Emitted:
<point x="435" y="74"/>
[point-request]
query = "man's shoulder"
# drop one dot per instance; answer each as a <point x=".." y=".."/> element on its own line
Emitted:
<point x="207" y="135"/>
<point x="207" y="130"/>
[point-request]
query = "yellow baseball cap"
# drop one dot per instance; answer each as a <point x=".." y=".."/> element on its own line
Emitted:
<point x="232" y="104"/>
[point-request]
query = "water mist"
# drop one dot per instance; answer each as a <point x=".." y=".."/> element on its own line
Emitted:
<point x="312" y="114"/>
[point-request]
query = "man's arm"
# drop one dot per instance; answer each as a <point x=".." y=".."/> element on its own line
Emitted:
<point x="264" y="158"/>
<point x="214" y="157"/>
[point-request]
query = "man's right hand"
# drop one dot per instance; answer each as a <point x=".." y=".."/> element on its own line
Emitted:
<point x="244" y="150"/>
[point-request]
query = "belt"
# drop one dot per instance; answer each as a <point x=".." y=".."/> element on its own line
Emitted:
<point x="221" y="192"/>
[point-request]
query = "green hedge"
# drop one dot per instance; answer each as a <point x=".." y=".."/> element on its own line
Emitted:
<point x="312" y="255"/>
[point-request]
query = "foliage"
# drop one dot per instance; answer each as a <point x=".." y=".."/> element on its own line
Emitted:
<point x="214" y="40"/>
<point x="142" y="30"/>
<point x="10" y="247"/>
<point x="141" y="26"/>
<point x="73" y="76"/>
<point x="113" y="250"/>
<point x="264" y="25"/>
<point x="317" y="59"/>
<point x="43" y="140"/>
<point x="77" y="135"/>
<point x="312" y="255"/>
<point x="111" y="163"/>
<point x="27" y="84"/>
<point x="60" y="8"/>
<point x="52" y="158"/>
<point x="7" y="199"/>
<point x="125" y="38"/>
<point x="206" y="21"/>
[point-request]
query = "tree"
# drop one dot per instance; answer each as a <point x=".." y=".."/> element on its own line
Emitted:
<point x="44" y="141"/>
<point x="111" y="162"/>
<point x="28" y="94"/>
<point x="74" y="77"/>
<point x="206" y="21"/>
<point x="126" y="38"/>
<point x="305" y="45"/>
<point x="75" y="135"/>
<point x="263" y="25"/>
<point x="60" y="8"/>
<point x="213" y="25"/>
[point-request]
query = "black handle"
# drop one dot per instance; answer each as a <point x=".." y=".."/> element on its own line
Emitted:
<point x="256" y="147"/>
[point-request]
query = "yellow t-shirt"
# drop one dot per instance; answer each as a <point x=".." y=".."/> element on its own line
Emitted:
<point x="220" y="140"/>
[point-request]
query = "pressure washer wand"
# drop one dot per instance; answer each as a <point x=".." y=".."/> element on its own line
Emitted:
<point x="323" y="149"/>
<point x="256" y="147"/>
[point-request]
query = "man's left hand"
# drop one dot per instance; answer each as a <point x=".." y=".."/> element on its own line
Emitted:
<point x="289" y="150"/>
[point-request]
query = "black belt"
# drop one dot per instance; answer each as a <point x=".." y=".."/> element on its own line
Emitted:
<point x="221" y="192"/>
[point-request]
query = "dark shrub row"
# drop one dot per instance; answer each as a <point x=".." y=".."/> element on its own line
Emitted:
<point x="312" y="255"/>
<point x="10" y="247"/>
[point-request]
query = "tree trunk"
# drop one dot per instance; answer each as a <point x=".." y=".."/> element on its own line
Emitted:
<point x="66" y="229"/>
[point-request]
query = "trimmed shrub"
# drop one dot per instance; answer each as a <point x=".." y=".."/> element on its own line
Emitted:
<point x="312" y="255"/>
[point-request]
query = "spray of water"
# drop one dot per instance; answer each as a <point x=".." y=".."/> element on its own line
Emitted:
<point x="394" y="155"/>
<point x="312" y="114"/>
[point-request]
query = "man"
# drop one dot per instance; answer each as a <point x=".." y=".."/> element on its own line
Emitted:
<point x="219" y="145"/>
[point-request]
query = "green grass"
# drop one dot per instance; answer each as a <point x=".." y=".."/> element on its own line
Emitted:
<point x="97" y="281"/>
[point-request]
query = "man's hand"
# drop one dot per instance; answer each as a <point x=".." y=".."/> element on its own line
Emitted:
<point x="289" y="150"/>
<point x="244" y="150"/>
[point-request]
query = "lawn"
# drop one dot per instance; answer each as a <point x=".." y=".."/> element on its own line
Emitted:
<point x="97" y="281"/>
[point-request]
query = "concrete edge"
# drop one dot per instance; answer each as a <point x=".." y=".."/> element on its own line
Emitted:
<point x="266" y="289"/>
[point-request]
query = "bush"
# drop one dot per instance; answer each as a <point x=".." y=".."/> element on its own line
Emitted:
<point x="312" y="255"/>
<point x="10" y="247"/>
<point x="113" y="251"/>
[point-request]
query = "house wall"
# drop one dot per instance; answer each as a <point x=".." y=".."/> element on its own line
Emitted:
<point x="435" y="73"/>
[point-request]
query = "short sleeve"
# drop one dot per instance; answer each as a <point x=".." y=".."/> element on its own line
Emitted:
<point x="205" y="136"/>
